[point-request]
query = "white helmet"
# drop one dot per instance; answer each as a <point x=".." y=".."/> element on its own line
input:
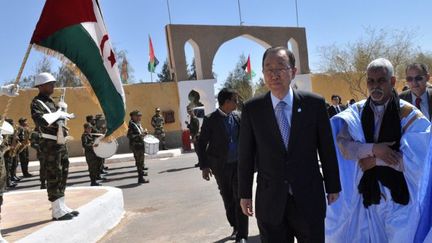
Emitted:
<point x="43" y="78"/>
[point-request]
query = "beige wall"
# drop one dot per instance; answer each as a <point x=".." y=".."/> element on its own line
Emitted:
<point x="144" y="97"/>
<point x="327" y="85"/>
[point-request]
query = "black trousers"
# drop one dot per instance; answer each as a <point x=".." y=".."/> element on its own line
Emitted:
<point x="227" y="181"/>
<point x="293" y="225"/>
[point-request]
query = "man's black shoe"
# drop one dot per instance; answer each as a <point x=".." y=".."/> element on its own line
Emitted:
<point x="142" y="180"/>
<point x="106" y="168"/>
<point x="27" y="175"/>
<point x="15" y="178"/>
<point x="74" y="213"/>
<point x="94" y="183"/>
<point x="145" y="168"/>
<point x="67" y="216"/>
<point x="43" y="186"/>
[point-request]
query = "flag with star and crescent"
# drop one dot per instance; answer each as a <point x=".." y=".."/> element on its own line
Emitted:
<point x="75" y="31"/>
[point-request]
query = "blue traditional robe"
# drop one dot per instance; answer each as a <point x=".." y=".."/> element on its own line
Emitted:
<point x="347" y="219"/>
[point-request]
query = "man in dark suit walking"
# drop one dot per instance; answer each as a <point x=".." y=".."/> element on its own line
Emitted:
<point x="281" y="133"/>
<point x="217" y="153"/>
<point x="417" y="77"/>
<point x="336" y="106"/>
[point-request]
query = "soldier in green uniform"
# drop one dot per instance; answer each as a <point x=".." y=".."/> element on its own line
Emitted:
<point x="23" y="152"/>
<point x="100" y="125"/>
<point x="35" y="138"/>
<point x="87" y="141"/>
<point x="136" y="143"/>
<point x="158" y="122"/>
<point x="193" y="126"/>
<point x="10" y="155"/>
<point x="49" y="120"/>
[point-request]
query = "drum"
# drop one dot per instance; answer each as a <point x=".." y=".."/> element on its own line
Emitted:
<point x="7" y="128"/>
<point x="105" y="149"/>
<point x="151" y="144"/>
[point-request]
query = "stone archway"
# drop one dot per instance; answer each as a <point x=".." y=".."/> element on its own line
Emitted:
<point x="206" y="40"/>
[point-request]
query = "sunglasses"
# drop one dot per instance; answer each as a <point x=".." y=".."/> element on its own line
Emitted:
<point x="417" y="78"/>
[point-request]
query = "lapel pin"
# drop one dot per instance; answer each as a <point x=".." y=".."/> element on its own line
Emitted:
<point x="299" y="110"/>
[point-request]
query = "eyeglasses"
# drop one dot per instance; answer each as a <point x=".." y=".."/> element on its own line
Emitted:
<point x="417" y="78"/>
<point x="276" y="70"/>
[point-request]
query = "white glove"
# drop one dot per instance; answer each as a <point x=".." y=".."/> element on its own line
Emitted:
<point x="65" y="115"/>
<point x="10" y="90"/>
<point x="50" y="118"/>
<point x="62" y="105"/>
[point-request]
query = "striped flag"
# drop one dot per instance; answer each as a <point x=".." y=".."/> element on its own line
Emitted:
<point x="247" y="68"/>
<point x="153" y="61"/>
<point x="75" y="31"/>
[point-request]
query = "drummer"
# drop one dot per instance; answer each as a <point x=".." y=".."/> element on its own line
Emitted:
<point x="87" y="141"/>
<point x="136" y="143"/>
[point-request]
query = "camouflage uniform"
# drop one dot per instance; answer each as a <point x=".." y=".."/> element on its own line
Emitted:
<point x="35" y="138"/>
<point x="158" y="122"/>
<point x="100" y="127"/>
<point x="23" y="136"/>
<point x="54" y="155"/>
<point x="136" y="143"/>
<point x="11" y="159"/>
<point x="87" y="141"/>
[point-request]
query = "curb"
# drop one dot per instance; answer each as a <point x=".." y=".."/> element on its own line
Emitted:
<point x="96" y="218"/>
<point x="117" y="158"/>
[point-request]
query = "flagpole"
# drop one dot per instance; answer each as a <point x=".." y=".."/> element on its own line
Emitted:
<point x="17" y="81"/>
<point x="238" y="2"/>
<point x="169" y="12"/>
<point x="151" y="76"/>
<point x="296" y="13"/>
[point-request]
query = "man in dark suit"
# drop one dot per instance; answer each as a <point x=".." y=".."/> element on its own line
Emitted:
<point x="336" y="106"/>
<point x="281" y="133"/>
<point x="417" y="77"/>
<point x="218" y="156"/>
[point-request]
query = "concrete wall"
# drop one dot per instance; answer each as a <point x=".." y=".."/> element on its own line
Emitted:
<point x="144" y="97"/>
<point x="327" y="85"/>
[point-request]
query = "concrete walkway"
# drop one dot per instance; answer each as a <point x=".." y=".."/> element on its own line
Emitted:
<point x="26" y="215"/>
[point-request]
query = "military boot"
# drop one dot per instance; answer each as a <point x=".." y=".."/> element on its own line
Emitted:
<point x="43" y="185"/>
<point x="94" y="183"/>
<point x="142" y="180"/>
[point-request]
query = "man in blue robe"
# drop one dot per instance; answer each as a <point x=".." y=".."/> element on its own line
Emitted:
<point x="381" y="152"/>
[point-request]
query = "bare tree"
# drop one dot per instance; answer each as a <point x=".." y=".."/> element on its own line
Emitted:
<point x="349" y="62"/>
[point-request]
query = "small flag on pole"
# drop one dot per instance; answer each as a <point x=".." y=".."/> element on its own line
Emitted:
<point x="153" y="61"/>
<point x="247" y="68"/>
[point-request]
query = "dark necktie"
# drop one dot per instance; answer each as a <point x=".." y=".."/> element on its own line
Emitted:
<point x="417" y="102"/>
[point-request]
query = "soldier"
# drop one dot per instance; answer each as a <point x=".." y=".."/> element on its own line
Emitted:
<point x="7" y="159"/>
<point x="87" y="140"/>
<point x="100" y="124"/>
<point x="136" y="143"/>
<point x="35" y="138"/>
<point x="193" y="127"/>
<point x="158" y="122"/>
<point x="10" y="156"/>
<point x="23" y="152"/>
<point x="49" y="120"/>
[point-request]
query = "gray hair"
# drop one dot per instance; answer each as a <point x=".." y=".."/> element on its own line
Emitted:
<point x="381" y="63"/>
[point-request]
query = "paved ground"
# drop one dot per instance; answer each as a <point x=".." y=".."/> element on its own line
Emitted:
<point x="176" y="206"/>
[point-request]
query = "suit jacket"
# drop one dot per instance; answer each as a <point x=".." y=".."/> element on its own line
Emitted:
<point x="279" y="168"/>
<point x="213" y="142"/>
<point x="332" y="111"/>
<point x="406" y="95"/>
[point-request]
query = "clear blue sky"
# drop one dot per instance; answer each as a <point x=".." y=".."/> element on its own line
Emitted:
<point x="129" y="23"/>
